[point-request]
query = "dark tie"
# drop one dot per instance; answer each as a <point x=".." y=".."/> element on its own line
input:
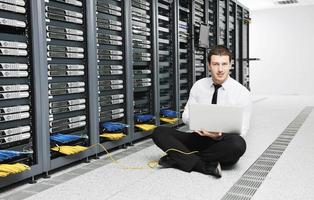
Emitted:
<point x="214" y="99"/>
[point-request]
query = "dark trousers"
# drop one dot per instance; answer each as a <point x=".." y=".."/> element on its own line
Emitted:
<point x="227" y="151"/>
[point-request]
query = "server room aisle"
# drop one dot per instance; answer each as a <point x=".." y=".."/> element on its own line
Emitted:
<point x="289" y="178"/>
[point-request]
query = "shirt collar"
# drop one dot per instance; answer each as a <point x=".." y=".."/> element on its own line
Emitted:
<point x="224" y="85"/>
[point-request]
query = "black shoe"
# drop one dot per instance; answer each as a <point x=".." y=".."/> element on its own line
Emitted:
<point x="167" y="162"/>
<point x="213" y="169"/>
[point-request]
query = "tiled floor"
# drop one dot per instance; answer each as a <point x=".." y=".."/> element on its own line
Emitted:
<point x="290" y="178"/>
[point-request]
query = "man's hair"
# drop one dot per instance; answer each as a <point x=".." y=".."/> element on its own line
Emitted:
<point x="219" y="50"/>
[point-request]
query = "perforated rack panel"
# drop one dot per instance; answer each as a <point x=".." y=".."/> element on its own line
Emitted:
<point x="200" y="53"/>
<point x="212" y="22"/>
<point x="185" y="57"/>
<point x="67" y="69"/>
<point x="17" y="119"/>
<point x="142" y="47"/>
<point x="232" y="37"/>
<point x="245" y="48"/>
<point x="222" y="22"/>
<point x="166" y="55"/>
<point x="111" y="61"/>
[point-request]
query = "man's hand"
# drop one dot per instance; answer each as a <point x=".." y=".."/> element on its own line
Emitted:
<point x="212" y="135"/>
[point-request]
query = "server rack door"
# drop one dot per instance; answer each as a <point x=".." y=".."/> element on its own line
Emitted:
<point x="246" y="72"/>
<point x="212" y="23"/>
<point x="166" y="64"/>
<point x="232" y="37"/>
<point x="239" y="45"/>
<point x="200" y="13"/>
<point x="213" y="20"/>
<point x="112" y="65"/>
<point x="222" y="23"/>
<point x="67" y="68"/>
<point x="226" y="33"/>
<point x="185" y="52"/>
<point x="19" y="109"/>
<point x="143" y="44"/>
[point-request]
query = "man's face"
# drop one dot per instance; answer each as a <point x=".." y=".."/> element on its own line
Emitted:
<point x="219" y="67"/>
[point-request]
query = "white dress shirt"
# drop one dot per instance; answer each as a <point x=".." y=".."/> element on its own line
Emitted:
<point x="231" y="93"/>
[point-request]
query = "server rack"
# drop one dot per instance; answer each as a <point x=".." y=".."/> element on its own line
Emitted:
<point x="232" y="31"/>
<point x="20" y="108"/>
<point x="166" y="71"/>
<point x="222" y="32"/>
<point x="213" y="24"/>
<point x="186" y="56"/>
<point x="242" y="45"/>
<point x="245" y="48"/>
<point x="68" y="85"/>
<point x="232" y="38"/>
<point x="239" y="37"/>
<point x="200" y="17"/>
<point x="112" y="56"/>
<point x="143" y="44"/>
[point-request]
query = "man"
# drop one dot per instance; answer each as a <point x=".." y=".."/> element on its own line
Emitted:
<point x="213" y="148"/>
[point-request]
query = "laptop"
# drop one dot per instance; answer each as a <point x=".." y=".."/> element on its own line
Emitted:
<point x="216" y="118"/>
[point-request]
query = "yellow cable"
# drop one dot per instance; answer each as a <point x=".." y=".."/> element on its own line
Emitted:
<point x="150" y="164"/>
<point x="146" y="127"/>
<point x="4" y="174"/>
<point x="113" y="136"/>
<point x="7" y="169"/>
<point x="169" y="120"/>
<point x="179" y="151"/>
<point x="116" y="162"/>
<point x="69" y="150"/>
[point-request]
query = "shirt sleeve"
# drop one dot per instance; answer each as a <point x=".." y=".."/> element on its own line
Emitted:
<point x="246" y="101"/>
<point x="192" y="99"/>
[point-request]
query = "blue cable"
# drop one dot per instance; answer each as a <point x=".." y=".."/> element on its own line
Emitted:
<point x="62" y="138"/>
<point x="113" y="126"/>
<point x="143" y="118"/>
<point x="168" y="113"/>
<point x="8" y="154"/>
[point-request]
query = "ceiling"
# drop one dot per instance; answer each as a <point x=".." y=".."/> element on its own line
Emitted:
<point x="268" y="4"/>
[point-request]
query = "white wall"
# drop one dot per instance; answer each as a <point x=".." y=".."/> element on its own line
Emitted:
<point x="284" y="41"/>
